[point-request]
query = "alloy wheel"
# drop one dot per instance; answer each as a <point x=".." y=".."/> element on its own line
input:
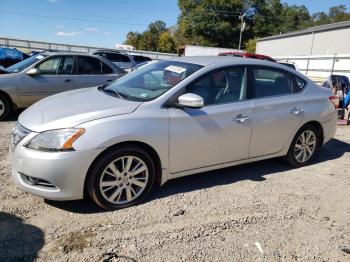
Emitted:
<point x="124" y="180"/>
<point x="305" y="146"/>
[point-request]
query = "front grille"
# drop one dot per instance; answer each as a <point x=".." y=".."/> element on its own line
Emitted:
<point x="18" y="133"/>
<point x="33" y="181"/>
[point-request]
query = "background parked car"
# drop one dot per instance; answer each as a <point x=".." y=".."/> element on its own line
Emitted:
<point x="123" y="60"/>
<point x="50" y="73"/>
<point x="11" y="56"/>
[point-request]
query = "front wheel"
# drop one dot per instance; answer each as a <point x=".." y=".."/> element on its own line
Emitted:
<point x="303" y="148"/>
<point x="121" y="178"/>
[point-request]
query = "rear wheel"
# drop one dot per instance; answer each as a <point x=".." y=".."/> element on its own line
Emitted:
<point x="5" y="107"/>
<point x="121" y="178"/>
<point x="304" y="146"/>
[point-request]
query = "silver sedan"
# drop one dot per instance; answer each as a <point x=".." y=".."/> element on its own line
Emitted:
<point x="166" y="120"/>
<point x="48" y="73"/>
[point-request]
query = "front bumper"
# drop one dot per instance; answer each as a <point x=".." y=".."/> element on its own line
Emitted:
<point x="63" y="173"/>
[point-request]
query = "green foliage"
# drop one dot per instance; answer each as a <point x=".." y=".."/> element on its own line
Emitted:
<point x="250" y="46"/>
<point x="217" y="23"/>
<point x="166" y="43"/>
<point x="149" y="39"/>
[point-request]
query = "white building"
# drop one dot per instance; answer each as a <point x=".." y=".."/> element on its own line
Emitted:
<point x="317" y="51"/>
<point x="319" y="40"/>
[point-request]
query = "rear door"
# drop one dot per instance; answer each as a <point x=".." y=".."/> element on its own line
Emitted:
<point x="277" y="111"/>
<point x="92" y="72"/>
<point x="55" y="76"/>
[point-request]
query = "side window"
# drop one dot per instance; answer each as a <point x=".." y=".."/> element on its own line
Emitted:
<point x="58" y="65"/>
<point x="66" y="66"/>
<point x="88" y="65"/>
<point x="113" y="57"/>
<point x="124" y="58"/>
<point x="299" y="84"/>
<point x="220" y="86"/>
<point x="50" y="66"/>
<point x="106" y="69"/>
<point x="270" y="82"/>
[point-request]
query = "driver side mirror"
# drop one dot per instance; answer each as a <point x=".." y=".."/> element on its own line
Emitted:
<point x="191" y="100"/>
<point x="33" y="72"/>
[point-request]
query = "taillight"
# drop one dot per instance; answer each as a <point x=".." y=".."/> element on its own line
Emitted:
<point x="335" y="101"/>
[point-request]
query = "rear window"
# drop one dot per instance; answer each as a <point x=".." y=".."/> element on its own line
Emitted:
<point x="270" y="82"/>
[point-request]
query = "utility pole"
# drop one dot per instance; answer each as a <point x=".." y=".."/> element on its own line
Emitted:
<point x="241" y="17"/>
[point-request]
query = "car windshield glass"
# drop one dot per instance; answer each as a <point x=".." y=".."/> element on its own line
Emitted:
<point x="25" y="63"/>
<point x="152" y="80"/>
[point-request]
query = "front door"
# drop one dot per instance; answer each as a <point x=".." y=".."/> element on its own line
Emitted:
<point x="55" y="76"/>
<point x="219" y="132"/>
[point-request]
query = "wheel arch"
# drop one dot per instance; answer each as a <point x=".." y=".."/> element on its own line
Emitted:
<point x="146" y="147"/>
<point x="318" y="127"/>
<point x="8" y="97"/>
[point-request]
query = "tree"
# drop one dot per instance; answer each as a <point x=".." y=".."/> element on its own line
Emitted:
<point x="133" y="39"/>
<point x="210" y="22"/>
<point x="217" y="23"/>
<point x="250" y="46"/>
<point x="166" y="43"/>
<point x="148" y="40"/>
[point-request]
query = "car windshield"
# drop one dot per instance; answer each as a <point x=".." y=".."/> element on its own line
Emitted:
<point x="20" y="66"/>
<point x="152" y="80"/>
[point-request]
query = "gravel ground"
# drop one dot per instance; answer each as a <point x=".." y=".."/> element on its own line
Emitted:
<point x="263" y="211"/>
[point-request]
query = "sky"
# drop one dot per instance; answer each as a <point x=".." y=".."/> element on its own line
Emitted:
<point x="101" y="23"/>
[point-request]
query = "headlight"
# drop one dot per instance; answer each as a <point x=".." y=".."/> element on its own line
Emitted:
<point x="56" y="140"/>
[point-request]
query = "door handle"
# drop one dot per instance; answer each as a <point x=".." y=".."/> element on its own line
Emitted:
<point x="242" y="118"/>
<point x="68" y="80"/>
<point x="109" y="80"/>
<point x="296" y="111"/>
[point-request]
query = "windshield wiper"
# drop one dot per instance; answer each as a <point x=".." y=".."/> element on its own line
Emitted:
<point x="118" y="94"/>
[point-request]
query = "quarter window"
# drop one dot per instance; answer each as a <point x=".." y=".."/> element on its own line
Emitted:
<point x="270" y="82"/>
<point x="221" y="86"/>
<point x="299" y="84"/>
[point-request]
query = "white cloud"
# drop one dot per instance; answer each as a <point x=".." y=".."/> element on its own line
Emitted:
<point x="61" y="33"/>
<point x="107" y="33"/>
<point x="53" y="1"/>
<point x="91" y="29"/>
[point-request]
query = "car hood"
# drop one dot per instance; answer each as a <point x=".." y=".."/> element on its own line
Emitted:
<point x="72" y="108"/>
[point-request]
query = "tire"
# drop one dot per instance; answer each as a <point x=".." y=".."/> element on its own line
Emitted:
<point x="121" y="178"/>
<point x="301" y="153"/>
<point x="5" y="107"/>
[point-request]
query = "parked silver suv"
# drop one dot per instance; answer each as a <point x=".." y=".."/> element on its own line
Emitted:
<point x="50" y="73"/>
<point x="166" y="120"/>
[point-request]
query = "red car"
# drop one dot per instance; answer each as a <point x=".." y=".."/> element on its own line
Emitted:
<point x="247" y="55"/>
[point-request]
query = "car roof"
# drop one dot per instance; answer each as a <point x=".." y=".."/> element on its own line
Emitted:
<point x="106" y="61"/>
<point x="49" y="53"/>
<point x="229" y="60"/>
<point x="209" y="60"/>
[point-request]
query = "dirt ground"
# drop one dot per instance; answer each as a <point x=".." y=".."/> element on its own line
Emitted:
<point x="263" y="211"/>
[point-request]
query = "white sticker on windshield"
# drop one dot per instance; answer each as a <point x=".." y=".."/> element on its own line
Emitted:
<point x="144" y="95"/>
<point x="39" y="57"/>
<point x="176" y="69"/>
